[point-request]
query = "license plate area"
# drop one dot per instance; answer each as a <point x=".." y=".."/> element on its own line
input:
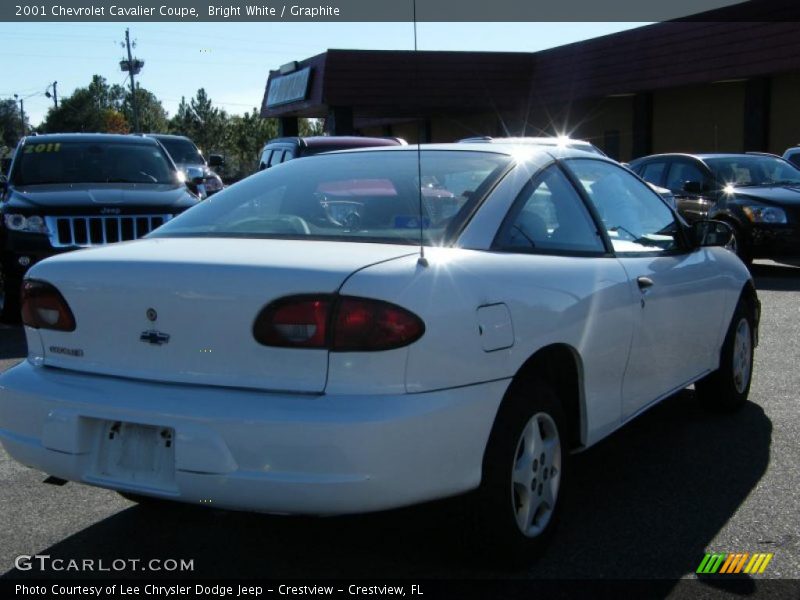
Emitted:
<point x="140" y="455"/>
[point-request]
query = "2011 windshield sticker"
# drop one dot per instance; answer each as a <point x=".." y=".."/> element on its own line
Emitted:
<point x="37" y="148"/>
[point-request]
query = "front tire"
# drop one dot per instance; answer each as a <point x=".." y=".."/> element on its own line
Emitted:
<point x="727" y="388"/>
<point x="523" y="473"/>
<point x="740" y="247"/>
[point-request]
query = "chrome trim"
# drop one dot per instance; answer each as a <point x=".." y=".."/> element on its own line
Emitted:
<point x="56" y="242"/>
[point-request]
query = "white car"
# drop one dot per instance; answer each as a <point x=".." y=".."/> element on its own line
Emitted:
<point x="284" y="347"/>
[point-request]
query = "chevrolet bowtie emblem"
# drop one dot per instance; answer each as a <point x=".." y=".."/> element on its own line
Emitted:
<point x="154" y="337"/>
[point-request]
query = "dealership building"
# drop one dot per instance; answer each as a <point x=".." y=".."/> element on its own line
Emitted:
<point x="726" y="85"/>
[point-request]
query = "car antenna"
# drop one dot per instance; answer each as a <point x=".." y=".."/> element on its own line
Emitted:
<point x="421" y="261"/>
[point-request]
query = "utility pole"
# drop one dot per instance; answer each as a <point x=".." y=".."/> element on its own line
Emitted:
<point x="54" y="95"/>
<point x="133" y="67"/>
<point x="21" y="113"/>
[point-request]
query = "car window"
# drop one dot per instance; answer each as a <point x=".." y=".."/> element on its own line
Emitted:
<point x="634" y="216"/>
<point x="91" y="162"/>
<point x="794" y="159"/>
<point x="653" y="172"/>
<point x="182" y="151"/>
<point x="753" y="170"/>
<point x="265" y="156"/>
<point x="277" y="157"/>
<point x="550" y="216"/>
<point x="680" y="172"/>
<point x="373" y="196"/>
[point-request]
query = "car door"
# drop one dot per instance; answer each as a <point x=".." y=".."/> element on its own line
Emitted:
<point x="693" y="204"/>
<point x="679" y="290"/>
<point x="563" y="285"/>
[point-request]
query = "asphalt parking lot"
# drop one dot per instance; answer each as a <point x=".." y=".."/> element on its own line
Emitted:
<point x="646" y="503"/>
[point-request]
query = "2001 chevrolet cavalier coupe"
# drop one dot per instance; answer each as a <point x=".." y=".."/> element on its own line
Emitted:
<point x="284" y="348"/>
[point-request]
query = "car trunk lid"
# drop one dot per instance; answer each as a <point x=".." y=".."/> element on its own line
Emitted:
<point x="182" y="310"/>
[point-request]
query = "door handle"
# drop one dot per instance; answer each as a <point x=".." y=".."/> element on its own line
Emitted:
<point x="644" y="282"/>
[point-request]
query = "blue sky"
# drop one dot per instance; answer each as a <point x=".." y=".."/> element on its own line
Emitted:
<point x="232" y="60"/>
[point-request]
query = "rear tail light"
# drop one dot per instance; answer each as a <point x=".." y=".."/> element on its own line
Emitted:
<point x="338" y="323"/>
<point x="294" y="322"/>
<point x="43" y="307"/>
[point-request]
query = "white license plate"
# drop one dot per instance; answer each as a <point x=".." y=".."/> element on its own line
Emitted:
<point x="137" y="454"/>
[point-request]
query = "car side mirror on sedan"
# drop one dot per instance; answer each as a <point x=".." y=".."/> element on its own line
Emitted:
<point x="692" y="187"/>
<point x="216" y="160"/>
<point x="712" y="233"/>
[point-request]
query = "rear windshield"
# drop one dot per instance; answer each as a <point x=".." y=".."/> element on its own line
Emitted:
<point x="182" y="151"/>
<point x="359" y="196"/>
<point x="91" y="162"/>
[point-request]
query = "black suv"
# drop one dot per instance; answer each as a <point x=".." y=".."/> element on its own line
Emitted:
<point x="69" y="191"/>
<point x="187" y="157"/>
<point x="757" y="194"/>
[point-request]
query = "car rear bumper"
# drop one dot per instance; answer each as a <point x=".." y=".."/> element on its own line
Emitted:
<point x="249" y="450"/>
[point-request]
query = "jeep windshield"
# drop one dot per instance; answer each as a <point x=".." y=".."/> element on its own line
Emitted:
<point x="41" y="163"/>
<point x="375" y="196"/>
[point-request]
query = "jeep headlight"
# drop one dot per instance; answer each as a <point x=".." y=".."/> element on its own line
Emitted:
<point x="760" y="213"/>
<point x="17" y="222"/>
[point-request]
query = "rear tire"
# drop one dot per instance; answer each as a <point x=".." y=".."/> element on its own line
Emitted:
<point x="727" y="388"/>
<point x="517" y="504"/>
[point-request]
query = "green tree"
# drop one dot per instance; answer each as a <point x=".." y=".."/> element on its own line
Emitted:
<point x="152" y="116"/>
<point x="86" y="109"/>
<point x="104" y="108"/>
<point x="308" y="127"/>
<point x="203" y="122"/>
<point x="246" y="136"/>
<point x="10" y="124"/>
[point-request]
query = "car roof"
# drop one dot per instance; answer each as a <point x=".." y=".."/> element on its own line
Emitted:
<point x="519" y="151"/>
<point x="166" y="136"/>
<point x="533" y="140"/>
<point x="331" y="141"/>
<point x="117" y="138"/>
<point x="703" y="155"/>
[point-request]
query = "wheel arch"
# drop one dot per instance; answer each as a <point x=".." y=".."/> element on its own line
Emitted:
<point x="561" y="366"/>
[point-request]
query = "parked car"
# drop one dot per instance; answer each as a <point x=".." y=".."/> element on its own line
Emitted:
<point x="68" y="191"/>
<point x="188" y="158"/>
<point x="757" y="194"/>
<point x="793" y="155"/>
<point x="269" y="352"/>
<point x="280" y="150"/>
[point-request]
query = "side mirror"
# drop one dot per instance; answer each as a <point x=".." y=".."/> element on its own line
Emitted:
<point x="712" y="233"/>
<point x="692" y="187"/>
<point x="216" y="160"/>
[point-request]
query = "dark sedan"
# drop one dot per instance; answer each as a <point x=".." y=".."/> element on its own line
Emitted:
<point x="757" y="194"/>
